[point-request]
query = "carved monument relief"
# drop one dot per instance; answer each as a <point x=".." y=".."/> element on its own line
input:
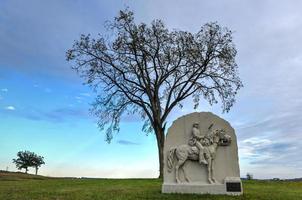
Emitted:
<point x="201" y="156"/>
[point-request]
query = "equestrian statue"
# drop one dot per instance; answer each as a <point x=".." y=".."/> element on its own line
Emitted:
<point x="201" y="148"/>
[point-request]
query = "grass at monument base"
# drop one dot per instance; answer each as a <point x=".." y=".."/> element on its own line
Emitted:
<point x="93" y="189"/>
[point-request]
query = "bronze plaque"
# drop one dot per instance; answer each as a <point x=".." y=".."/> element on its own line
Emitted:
<point x="233" y="187"/>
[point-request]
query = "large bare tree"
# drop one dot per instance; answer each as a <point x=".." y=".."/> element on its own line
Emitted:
<point x="149" y="70"/>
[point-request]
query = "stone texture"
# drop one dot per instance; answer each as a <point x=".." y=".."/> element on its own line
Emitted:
<point x="226" y="166"/>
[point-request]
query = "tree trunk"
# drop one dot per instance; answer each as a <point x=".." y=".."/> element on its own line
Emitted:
<point x="161" y="160"/>
<point x="36" y="170"/>
<point x="26" y="170"/>
<point x="160" y="137"/>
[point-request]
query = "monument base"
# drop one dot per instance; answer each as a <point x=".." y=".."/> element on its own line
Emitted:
<point x="230" y="187"/>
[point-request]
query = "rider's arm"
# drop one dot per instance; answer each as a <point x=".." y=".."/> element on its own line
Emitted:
<point x="195" y="134"/>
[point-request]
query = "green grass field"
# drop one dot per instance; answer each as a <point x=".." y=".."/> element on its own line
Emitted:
<point x="23" y="187"/>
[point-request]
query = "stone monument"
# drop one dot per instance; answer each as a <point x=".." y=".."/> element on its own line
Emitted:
<point x="201" y="156"/>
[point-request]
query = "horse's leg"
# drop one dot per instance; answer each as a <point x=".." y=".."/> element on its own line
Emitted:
<point x="185" y="174"/>
<point x="210" y="171"/>
<point x="177" y="166"/>
<point x="213" y="172"/>
<point x="176" y="172"/>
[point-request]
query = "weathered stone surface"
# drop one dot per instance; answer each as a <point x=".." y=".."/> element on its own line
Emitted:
<point x="222" y="154"/>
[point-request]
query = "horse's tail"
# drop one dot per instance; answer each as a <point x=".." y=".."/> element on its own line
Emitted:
<point x="171" y="158"/>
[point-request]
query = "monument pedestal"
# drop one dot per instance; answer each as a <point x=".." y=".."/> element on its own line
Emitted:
<point x="193" y="188"/>
<point x="231" y="186"/>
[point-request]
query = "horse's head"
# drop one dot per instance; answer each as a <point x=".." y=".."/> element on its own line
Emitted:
<point x="221" y="138"/>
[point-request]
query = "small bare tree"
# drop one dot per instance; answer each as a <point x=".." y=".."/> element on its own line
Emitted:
<point x="249" y="176"/>
<point x="149" y="70"/>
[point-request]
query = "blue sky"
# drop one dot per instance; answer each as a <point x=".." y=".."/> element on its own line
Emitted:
<point x="45" y="108"/>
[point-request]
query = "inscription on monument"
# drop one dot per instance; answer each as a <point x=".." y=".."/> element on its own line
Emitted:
<point x="233" y="187"/>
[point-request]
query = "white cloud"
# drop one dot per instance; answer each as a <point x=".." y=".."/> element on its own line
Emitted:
<point x="257" y="142"/>
<point x="10" y="108"/>
<point x="248" y="148"/>
<point x="4" y="90"/>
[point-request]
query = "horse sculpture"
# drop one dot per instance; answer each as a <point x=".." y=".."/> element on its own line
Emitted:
<point x="186" y="152"/>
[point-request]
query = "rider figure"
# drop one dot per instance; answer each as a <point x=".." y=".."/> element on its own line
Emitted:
<point x="196" y="140"/>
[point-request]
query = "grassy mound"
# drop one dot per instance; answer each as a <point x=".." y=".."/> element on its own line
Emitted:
<point x="14" y="176"/>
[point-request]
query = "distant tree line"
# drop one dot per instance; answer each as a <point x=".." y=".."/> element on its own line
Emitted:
<point x="26" y="159"/>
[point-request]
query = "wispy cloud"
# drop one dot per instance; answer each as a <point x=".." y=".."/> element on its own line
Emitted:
<point x="4" y="90"/>
<point x="273" y="144"/>
<point x="266" y="158"/>
<point x="59" y="115"/>
<point x="127" y="142"/>
<point x="85" y="94"/>
<point x="10" y="108"/>
<point x="64" y="114"/>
